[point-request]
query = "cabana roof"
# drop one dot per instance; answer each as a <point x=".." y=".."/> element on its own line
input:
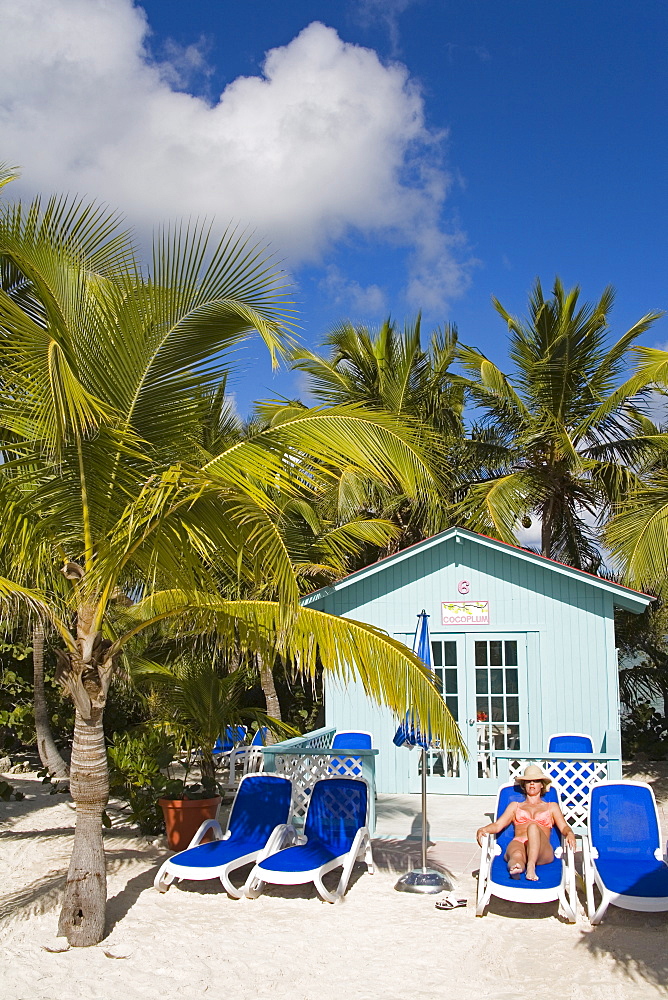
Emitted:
<point x="623" y="597"/>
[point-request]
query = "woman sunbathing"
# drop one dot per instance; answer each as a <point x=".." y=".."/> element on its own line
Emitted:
<point x="533" y="821"/>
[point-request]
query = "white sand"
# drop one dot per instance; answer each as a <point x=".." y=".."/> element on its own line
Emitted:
<point x="288" y="945"/>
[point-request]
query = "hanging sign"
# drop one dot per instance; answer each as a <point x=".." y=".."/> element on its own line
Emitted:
<point x="465" y="612"/>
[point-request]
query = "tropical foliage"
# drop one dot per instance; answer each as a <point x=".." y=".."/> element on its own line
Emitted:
<point x="107" y="373"/>
<point x="568" y="440"/>
<point x="390" y="371"/>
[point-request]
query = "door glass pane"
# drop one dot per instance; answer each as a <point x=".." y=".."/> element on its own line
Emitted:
<point x="481" y="709"/>
<point x="511" y="652"/>
<point x="496" y="681"/>
<point x="495" y="657"/>
<point x="449" y="682"/>
<point x="499" y="737"/>
<point x="453" y="706"/>
<point x="513" y="737"/>
<point x="511" y="682"/>
<point x="512" y="709"/>
<point x="497" y="709"/>
<point x="481" y="681"/>
<point x="437" y="653"/>
<point x="481" y="654"/>
<point x="449" y="654"/>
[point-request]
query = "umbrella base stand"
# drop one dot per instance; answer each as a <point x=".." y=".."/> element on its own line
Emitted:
<point x="424" y="880"/>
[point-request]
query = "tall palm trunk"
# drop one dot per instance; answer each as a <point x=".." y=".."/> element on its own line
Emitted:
<point x="547" y="528"/>
<point x="83" y="912"/>
<point x="269" y="690"/>
<point x="48" y="751"/>
<point x="85" y="676"/>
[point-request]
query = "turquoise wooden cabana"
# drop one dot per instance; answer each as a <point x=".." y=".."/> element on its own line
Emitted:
<point x="524" y="647"/>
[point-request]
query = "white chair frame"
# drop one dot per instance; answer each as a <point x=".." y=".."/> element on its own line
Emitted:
<point x="247" y="759"/>
<point x="642" y="904"/>
<point x="281" y="836"/>
<point x="565" y="892"/>
<point x="360" y="851"/>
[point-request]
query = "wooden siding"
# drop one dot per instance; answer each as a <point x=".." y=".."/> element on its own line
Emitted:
<point x="572" y="682"/>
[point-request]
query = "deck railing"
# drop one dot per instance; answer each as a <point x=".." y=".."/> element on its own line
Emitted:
<point x="305" y="759"/>
<point x="574" y="774"/>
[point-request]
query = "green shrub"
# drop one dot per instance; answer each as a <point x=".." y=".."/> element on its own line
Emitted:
<point x="645" y="731"/>
<point x="136" y="765"/>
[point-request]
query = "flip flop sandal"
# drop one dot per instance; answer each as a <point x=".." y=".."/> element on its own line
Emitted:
<point x="450" y="903"/>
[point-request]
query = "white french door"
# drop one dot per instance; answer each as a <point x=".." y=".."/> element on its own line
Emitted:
<point x="483" y="680"/>
<point x="496" y="704"/>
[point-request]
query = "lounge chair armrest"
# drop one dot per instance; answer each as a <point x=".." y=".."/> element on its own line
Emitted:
<point x="489" y="847"/>
<point x="588" y="853"/>
<point x="208" y="824"/>
<point x="282" y="836"/>
<point x="568" y="854"/>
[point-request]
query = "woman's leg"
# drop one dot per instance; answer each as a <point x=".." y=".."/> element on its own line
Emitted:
<point x="539" y="850"/>
<point x="516" y="857"/>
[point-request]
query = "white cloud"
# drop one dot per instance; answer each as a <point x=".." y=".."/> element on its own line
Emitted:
<point x="388" y="13"/>
<point x="327" y="142"/>
<point x="362" y="301"/>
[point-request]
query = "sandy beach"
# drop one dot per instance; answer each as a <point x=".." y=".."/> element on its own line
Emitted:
<point x="288" y="945"/>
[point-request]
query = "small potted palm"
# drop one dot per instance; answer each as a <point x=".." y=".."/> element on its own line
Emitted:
<point x="196" y="703"/>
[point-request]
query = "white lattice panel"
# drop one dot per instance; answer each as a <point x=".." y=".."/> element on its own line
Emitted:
<point x="574" y="779"/>
<point x="322" y="742"/>
<point x="304" y="770"/>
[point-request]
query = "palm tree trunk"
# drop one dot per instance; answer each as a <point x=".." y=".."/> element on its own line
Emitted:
<point x="86" y="679"/>
<point x="83" y="913"/>
<point x="269" y="691"/>
<point x="48" y="751"/>
<point x="546" y="529"/>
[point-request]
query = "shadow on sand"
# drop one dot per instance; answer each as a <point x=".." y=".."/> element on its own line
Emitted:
<point x="636" y="942"/>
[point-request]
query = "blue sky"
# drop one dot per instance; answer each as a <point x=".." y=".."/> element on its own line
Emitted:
<point x="487" y="143"/>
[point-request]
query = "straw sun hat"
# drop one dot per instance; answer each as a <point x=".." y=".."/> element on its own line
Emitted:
<point x="534" y="773"/>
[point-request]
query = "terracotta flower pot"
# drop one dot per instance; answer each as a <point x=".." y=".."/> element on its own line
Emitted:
<point x="183" y="818"/>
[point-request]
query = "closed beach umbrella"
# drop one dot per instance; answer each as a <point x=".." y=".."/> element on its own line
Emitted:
<point x="423" y="879"/>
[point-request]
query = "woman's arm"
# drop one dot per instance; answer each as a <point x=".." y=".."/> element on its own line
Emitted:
<point x="562" y="826"/>
<point x="504" y="820"/>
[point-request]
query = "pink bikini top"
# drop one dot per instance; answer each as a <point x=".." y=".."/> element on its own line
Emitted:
<point x="542" y="819"/>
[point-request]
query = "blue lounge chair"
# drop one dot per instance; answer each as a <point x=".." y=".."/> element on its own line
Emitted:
<point x="233" y="736"/>
<point x="555" y="880"/>
<point x="257" y="826"/>
<point x="335" y="834"/>
<point x="349" y="739"/>
<point x="347" y="765"/>
<point x="260" y="738"/>
<point x="574" y="743"/>
<point x="623" y="853"/>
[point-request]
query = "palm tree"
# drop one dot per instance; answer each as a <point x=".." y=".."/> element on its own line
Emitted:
<point x="388" y="370"/>
<point x="104" y="371"/>
<point x="562" y="426"/>
<point x="322" y="545"/>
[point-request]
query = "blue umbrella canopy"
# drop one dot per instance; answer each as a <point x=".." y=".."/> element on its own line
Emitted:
<point x="408" y="734"/>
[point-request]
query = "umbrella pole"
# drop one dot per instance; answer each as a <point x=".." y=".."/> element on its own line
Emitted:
<point x="424" y="879"/>
<point x="424" y="809"/>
